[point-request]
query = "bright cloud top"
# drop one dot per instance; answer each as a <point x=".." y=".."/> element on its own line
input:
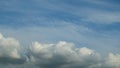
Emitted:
<point x="59" y="55"/>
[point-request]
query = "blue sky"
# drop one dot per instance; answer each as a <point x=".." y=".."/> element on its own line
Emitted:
<point x="90" y="23"/>
<point x="81" y="31"/>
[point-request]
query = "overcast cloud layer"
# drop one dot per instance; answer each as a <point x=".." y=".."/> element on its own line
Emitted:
<point x="59" y="55"/>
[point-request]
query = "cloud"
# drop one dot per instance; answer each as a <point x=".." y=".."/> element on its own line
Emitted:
<point x="9" y="50"/>
<point x="113" y="60"/>
<point x="57" y="55"/>
<point x="62" y="55"/>
<point x="66" y="55"/>
<point x="102" y="17"/>
<point x="62" y="20"/>
<point x="46" y="11"/>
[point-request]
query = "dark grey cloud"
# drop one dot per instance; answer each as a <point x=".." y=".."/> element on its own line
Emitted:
<point x="7" y="60"/>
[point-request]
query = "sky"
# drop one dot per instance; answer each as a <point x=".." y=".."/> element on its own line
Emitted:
<point x="59" y="34"/>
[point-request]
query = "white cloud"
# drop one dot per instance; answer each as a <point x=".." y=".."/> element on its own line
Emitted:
<point x="66" y="55"/>
<point x="9" y="47"/>
<point x="86" y="51"/>
<point x="62" y="55"/>
<point x="58" y="55"/>
<point x="113" y="60"/>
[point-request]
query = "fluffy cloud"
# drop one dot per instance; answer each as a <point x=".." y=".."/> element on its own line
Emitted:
<point x="113" y="60"/>
<point x="62" y="55"/>
<point x="9" y="47"/>
<point x="9" y="50"/>
<point x="59" y="55"/>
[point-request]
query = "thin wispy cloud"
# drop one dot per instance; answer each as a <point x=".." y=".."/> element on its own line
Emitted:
<point x="59" y="34"/>
<point x="48" y="10"/>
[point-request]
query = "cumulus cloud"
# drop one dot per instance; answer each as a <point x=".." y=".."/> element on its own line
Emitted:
<point x="9" y="47"/>
<point x="62" y="55"/>
<point x="9" y="50"/>
<point x="66" y="55"/>
<point x="113" y="60"/>
<point x="58" y="55"/>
